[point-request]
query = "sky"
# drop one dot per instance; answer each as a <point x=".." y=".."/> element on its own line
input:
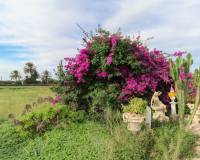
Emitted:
<point x="45" y="31"/>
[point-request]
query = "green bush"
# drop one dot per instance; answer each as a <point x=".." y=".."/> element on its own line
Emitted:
<point x="43" y="118"/>
<point x="135" y="105"/>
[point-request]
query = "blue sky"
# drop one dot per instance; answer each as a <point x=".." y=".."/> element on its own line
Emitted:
<point x="45" y="31"/>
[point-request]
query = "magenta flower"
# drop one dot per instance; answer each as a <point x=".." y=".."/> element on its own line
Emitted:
<point x="114" y="40"/>
<point x="102" y="74"/>
<point x="109" y="59"/>
<point x="79" y="66"/>
<point x="190" y="86"/>
<point x="179" y="53"/>
<point x="84" y="51"/>
<point x="56" y="100"/>
<point x="156" y="52"/>
<point x="182" y="74"/>
<point x="189" y="75"/>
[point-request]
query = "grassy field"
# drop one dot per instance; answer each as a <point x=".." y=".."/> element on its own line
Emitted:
<point x="13" y="99"/>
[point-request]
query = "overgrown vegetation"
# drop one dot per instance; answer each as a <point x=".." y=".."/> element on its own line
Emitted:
<point x="45" y="117"/>
<point x="95" y="141"/>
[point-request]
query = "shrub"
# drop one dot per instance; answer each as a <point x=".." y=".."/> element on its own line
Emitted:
<point x="111" y="69"/>
<point x="136" y="105"/>
<point x="43" y="118"/>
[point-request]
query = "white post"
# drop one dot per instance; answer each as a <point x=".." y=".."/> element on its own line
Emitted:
<point x="148" y="117"/>
<point x="173" y="106"/>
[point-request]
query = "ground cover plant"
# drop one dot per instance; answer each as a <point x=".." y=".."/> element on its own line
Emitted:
<point x="95" y="141"/>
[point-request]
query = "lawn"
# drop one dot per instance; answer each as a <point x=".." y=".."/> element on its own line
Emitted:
<point x="13" y="99"/>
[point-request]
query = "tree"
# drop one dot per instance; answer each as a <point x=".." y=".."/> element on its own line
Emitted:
<point x="29" y="69"/>
<point x="46" y="76"/>
<point x="31" y="73"/>
<point x="15" y="75"/>
<point x="60" y="72"/>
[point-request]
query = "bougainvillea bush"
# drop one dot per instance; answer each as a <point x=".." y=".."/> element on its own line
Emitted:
<point x="112" y="68"/>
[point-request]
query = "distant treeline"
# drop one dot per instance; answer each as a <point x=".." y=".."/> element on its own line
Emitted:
<point x="13" y="83"/>
<point x="33" y="77"/>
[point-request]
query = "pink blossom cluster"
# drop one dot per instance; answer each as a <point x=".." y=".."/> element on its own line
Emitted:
<point x="102" y="74"/>
<point x="56" y="100"/>
<point x="157" y="72"/>
<point x="113" y="40"/>
<point x="110" y="59"/>
<point x="179" y="53"/>
<point x="79" y="66"/>
<point x="183" y="76"/>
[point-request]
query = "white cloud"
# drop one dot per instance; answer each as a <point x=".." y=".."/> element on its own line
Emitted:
<point x="48" y="27"/>
<point x="44" y="27"/>
<point x="129" y="11"/>
<point x="173" y="24"/>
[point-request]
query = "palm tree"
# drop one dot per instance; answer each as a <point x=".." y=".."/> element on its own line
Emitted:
<point x="29" y="69"/>
<point x="15" y="75"/>
<point x="46" y="76"/>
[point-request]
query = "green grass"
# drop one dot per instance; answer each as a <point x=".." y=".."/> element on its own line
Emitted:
<point x="13" y="99"/>
<point x="90" y="141"/>
<point x="87" y="141"/>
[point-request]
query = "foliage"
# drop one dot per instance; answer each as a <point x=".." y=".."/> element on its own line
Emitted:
<point x="15" y="75"/>
<point x="46" y="77"/>
<point x="92" y="141"/>
<point x="135" y="105"/>
<point x="111" y="69"/>
<point x="197" y="97"/>
<point x="43" y="118"/>
<point x="31" y="73"/>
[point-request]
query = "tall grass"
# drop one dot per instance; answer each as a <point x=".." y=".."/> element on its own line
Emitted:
<point x="165" y="141"/>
